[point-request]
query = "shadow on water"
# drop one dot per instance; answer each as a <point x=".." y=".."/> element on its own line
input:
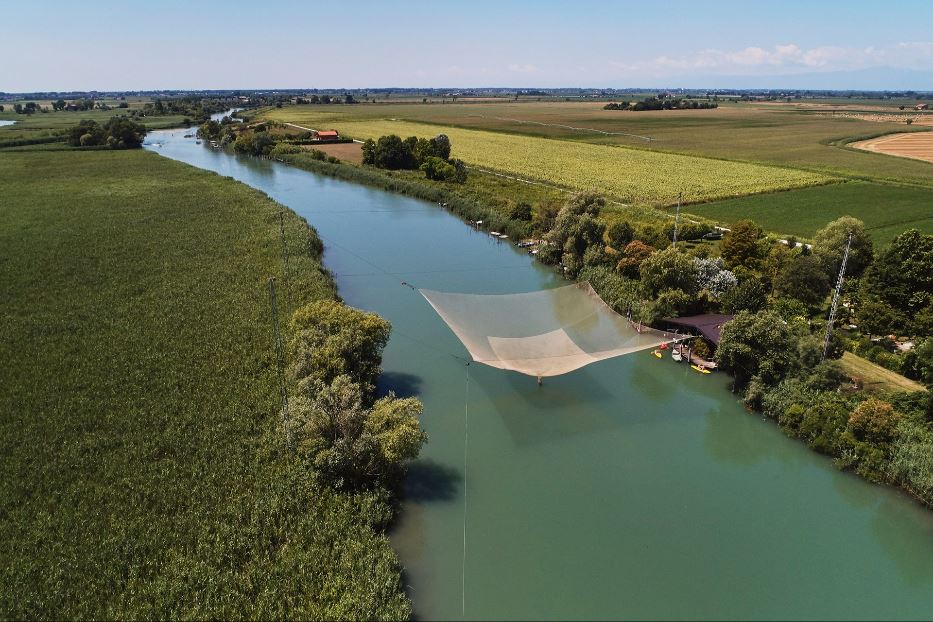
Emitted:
<point x="429" y="480"/>
<point x="400" y="383"/>
<point x="563" y="406"/>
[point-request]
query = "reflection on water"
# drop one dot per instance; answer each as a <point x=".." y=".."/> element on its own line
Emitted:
<point x="632" y="488"/>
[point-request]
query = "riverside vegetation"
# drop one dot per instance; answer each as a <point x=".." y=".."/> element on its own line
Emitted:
<point x="778" y="289"/>
<point x="146" y="471"/>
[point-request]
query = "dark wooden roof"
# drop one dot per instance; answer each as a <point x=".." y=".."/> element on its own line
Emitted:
<point x="709" y="324"/>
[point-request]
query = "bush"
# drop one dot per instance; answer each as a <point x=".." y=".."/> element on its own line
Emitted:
<point x="521" y="211"/>
<point x="875" y="421"/>
<point x="912" y="460"/>
<point x="620" y="234"/>
<point x="436" y="169"/>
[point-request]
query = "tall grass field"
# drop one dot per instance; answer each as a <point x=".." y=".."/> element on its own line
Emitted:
<point x="142" y="472"/>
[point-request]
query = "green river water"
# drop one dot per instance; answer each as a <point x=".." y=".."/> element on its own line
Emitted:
<point x="632" y="488"/>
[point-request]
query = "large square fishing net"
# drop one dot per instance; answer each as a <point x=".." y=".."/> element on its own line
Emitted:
<point x="543" y="333"/>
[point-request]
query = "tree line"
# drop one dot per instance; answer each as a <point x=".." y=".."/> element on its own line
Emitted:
<point x="117" y="133"/>
<point x="655" y="103"/>
<point x="432" y="156"/>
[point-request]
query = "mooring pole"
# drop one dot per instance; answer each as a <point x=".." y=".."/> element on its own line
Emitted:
<point x="280" y="361"/>
<point x="833" y="308"/>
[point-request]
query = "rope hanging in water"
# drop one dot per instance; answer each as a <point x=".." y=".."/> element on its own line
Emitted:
<point x="466" y="436"/>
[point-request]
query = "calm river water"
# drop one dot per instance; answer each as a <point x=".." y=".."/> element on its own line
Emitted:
<point x="633" y="488"/>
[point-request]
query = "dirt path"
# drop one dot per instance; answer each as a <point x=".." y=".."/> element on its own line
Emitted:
<point x="915" y="145"/>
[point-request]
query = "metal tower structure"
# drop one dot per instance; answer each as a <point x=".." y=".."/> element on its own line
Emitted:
<point x="835" y="305"/>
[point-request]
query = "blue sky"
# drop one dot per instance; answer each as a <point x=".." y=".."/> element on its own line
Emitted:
<point x="92" y="44"/>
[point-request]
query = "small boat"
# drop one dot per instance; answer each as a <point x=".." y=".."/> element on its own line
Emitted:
<point x="657" y="353"/>
<point x="676" y="355"/>
<point x="663" y="346"/>
<point x="702" y="370"/>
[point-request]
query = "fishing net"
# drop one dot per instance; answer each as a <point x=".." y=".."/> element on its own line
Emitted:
<point x="543" y="333"/>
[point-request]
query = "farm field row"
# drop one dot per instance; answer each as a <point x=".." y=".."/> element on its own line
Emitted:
<point x="886" y="209"/>
<point x="633" y="176"/>
<point x="770" y="135"/>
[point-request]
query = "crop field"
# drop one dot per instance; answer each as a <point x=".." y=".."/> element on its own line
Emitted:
<point x="916" y="145"/>
<point x="735" y="131"/>
<point x="886" y="209"/>
<point x="630" y="175"/>
<point x="142" y="474"/>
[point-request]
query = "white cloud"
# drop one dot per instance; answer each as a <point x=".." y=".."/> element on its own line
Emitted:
<point x="525" y="68"/>
<point x="789" y="57"/>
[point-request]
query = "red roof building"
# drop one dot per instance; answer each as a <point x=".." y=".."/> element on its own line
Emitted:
<point x="326" y="135"/>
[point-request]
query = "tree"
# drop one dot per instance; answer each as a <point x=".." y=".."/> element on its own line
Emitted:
<point x="521" y="211"/>
<point x="874" y="421"/>
<point x="829" y="244"/>
<point x="620" y="233"/>
<point x="86" y="133"/>
<point x="441" y="146"/>
<point x="545" y="216"/>
<point x="902" y="274"/>
<point x="876" y="317"/>
<point x="369" y="152"/>
<point x="123" y="133"/>
<point x="749" y="295"/>
<point x="353" y="447"/>
<point x="634" y="254"/>
<point x="778" y="258"/>
<point x="712" y="277"/>
<point x="804" y="279"/>
<point x="330" y="339"/>
<point x="668" y="269"/>
<point x="740" y="244"/>
<point x="58" y="104"/>
<point x="757" y="345"/>
<point x="437" y="169"/>
<point x="209" y="130"/>
<point x="18" y="108"/>
<point x="576" y="228"/>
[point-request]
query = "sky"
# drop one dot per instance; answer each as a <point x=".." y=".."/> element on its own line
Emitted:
<point x="50" y="45"/>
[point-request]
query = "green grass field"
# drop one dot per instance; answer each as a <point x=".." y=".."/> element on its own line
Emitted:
<point x="632" y="176"/>
<point x="51" y="123"/>
<point x="142" y="474"/>
<point x="762" y="133"/>
<point x="886" y="209"/>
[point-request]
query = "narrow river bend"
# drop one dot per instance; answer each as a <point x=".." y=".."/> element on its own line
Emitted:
<point x="633" y="488"/>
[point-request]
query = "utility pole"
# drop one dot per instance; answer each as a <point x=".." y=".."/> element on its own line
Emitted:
<point x="835" y="305"/>
<point x="680" y="196"/>
<point x="280" y="361"/>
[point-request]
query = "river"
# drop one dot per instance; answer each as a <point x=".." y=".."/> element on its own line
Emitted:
<point x="632" y="488"/>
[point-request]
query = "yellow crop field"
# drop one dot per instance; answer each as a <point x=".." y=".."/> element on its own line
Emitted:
<point x="631" y="175"/>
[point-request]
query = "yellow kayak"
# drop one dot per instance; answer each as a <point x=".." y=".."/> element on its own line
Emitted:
<point x="657" y="353"/>
<point x="702" y="370"/>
